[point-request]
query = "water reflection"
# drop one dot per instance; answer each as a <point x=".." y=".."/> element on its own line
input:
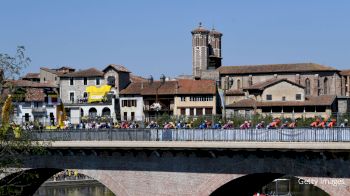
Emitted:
<point x="291" y="186"/>
<point x="76" y="188"/>
<point x="72" y="183"/>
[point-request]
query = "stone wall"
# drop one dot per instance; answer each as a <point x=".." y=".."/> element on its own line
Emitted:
<point x="78" y="87"/>
<point x="46" y="76"/>
<point x="283" y="89"/>
<point x="334" y="81"/>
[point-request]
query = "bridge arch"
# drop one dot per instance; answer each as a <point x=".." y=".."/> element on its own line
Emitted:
<point x="227" y="177"/>
<point x="250" y="184"/>
<point x="28" y="181"/>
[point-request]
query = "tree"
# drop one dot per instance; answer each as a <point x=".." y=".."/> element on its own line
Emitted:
<point x="13" y="143"/>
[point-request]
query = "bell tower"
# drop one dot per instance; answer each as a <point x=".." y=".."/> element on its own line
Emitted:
<point x="214" y="49"/>
<point x="200" y="50"/>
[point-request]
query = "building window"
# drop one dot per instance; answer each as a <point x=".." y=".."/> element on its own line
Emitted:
<point x="106" y="112"/>
<point x="85" y="94"/>
<point x="183" y="111"/>
<point x="125" y="116"/>
<point x="44" y="79"/>
<point x="231" y="83"/>
<point x="92" y="112"/>
<point x="307" y="86"/>
<point x="191" y="111"/>
<point x="85" y="81"/>
<point x="129" y="103"/>
<point x="97" y="81"/>
<point x="71" y="81"/>
<point x="325" y="86"/>
<point x="199" y="111"/>
<point x="208" y="111"/>
<point x="283" y="98"/>
<point x="71" y="96"/>
<point x="269" y="97"/>
<point x="111" y="80"/>
<point x="238" y="84"/>
<point x="298" y="96"/>
<point x="183" y="98"/>
<point x="201" y="98"/>
<point x="55" y="78"/>
<point x="26" y="117"/>
<point x="125" y="103"/>
<point x="132" y="115"/>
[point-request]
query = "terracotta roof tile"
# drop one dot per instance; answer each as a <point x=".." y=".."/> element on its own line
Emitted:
<point x="324" y="100"/>
<point x="27" y="83"/>
<point x="188" y="86"/>
<point x="270" y="82"/>
<point x="32" y="76"/>
<point x="215" y="32"/>
<point x="66" y="67"/>
<point x="166" y="88"/>
<point x="274" y="68"/>
<point x="53" y="71"/>
<point x="135" y="78"/>
<point x="184" y="86"/>
<point x="345" y="72"/>
<point x="200" y="29"/>
<point x="92" y="72"/>
<point x="35" y="94"/>
<point x="119" y="68"/>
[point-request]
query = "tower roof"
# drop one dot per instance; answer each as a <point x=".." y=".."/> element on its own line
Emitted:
<point x="215" y="32"/>
<point x="200" y="29"/>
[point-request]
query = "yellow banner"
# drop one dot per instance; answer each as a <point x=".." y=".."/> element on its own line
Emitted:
<point x="96" y="94"/>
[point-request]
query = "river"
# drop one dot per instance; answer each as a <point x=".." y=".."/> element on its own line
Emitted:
<point x="73" y="188"/>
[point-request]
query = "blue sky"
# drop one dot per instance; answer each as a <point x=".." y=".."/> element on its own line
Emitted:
<point x="153" y="36"/>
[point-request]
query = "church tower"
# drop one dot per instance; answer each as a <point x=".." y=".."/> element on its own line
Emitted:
<point x="200" y="50"/>
<point x="214" y="49"/>
<point x="206" y="50"/>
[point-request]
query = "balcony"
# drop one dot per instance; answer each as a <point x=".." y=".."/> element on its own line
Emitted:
<point x="164" y="108"/>
<point x="84" y="102"/>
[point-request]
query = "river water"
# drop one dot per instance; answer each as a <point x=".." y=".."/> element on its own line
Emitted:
<point x="73" y="188"/>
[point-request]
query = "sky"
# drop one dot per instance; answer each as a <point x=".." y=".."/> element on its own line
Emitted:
<point x="153" y="37"/>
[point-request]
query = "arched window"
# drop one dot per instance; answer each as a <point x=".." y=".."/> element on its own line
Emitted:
<point x="106" y="112"/>
<point x="92" y="112"/>
<point x="81" y="112"/>
<point x="230" y="83"/>
<point x="325" y="86"/>
<point x="307" y="86"/>
<point x="111" y="80"/>
<point x="238" y="84"/>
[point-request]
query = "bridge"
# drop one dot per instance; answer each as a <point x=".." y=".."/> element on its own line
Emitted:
<point x="191" y="162"/>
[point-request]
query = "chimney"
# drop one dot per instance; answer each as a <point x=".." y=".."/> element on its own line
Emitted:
<point x="142" y="85"/>
<point x="150" y="79"/>
<point x="162" y="79"/>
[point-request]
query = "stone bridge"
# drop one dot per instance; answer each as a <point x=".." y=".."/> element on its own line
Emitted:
<point x="189" y="168"/>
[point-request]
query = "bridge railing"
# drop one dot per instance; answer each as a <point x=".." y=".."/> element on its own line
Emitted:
<point x="254" y="135"/>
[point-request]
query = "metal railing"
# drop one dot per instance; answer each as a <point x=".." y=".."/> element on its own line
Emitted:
<point x="253" y="135"/>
